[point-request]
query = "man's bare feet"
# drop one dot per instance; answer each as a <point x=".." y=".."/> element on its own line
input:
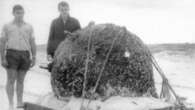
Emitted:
<point x="21" y="107"/>
<point x="11" y="107"/>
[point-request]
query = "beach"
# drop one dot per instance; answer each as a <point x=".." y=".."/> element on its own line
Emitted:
<point x="177" y="66"/>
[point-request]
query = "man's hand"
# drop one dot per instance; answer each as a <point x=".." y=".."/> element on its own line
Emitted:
<point x="49" y="58"/>
<point x="33" y="61"/>
<point x="4" y="62"/>
<point x="67" y="32"/>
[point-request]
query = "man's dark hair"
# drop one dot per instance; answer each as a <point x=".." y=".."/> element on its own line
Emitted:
<point x="17" y="7"/>
<point x="63" y="4"/>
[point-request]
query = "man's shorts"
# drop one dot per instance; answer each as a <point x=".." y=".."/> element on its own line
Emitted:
<point x="18" y="60"/>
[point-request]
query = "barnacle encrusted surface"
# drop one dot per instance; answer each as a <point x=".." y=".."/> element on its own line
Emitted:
<point x="128" y="70"/>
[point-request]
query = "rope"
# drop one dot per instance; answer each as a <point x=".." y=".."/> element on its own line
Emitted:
<point x="104" y="64"/>
<point x="165" y="80"/>
<point x="102" y="70"/>
<point x="86" y="70"/>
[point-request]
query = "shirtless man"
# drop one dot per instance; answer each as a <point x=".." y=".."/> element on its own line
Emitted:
<point x="18" y="52"/>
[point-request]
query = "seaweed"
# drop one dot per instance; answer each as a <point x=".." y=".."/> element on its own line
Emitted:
<point x="128" y="70"/>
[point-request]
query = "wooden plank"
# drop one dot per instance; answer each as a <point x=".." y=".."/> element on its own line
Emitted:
<point x="31" y="106"/>
<point x="173" y="108"/>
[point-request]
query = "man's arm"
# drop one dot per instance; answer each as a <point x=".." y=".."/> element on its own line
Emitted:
<point x="3" y="40"/>
<point x="2" y="47"/>
<point x="51" y="35"/>
<point x="33" y="47"/>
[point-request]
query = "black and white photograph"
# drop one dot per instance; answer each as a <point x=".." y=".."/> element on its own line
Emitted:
<point x="97" y="55"/>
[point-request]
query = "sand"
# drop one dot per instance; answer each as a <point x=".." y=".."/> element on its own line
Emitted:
<point x="179" y="69"/>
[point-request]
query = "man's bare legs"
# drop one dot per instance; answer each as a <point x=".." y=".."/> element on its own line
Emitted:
<point x="11" y="78"/>
<point x="20" y="87"/>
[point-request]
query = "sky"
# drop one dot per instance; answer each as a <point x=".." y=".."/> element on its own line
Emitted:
<point x="154" y="21"/>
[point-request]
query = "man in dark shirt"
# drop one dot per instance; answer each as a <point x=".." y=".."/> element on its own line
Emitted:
<point x="59" y="27"/>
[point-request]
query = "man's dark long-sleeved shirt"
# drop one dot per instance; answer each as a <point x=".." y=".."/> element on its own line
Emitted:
<point x="56" y="34"/>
